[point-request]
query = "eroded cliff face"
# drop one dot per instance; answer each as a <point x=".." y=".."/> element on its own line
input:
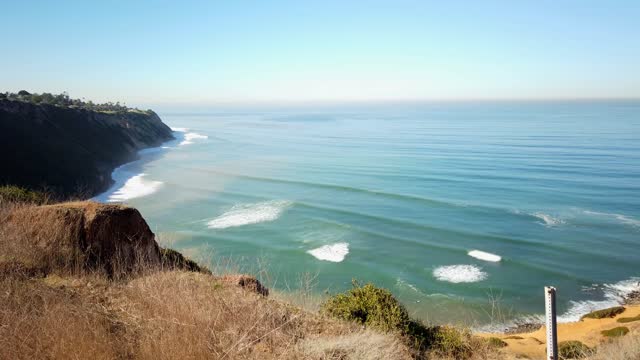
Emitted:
<point x="71" y="152"/>
<point x="75" y="237"/>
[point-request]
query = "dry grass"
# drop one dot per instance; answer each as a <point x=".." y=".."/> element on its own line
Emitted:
<point x="626" y="348"/>
<point x="42" y="322"/>
<point x="169" y="315"/>
<point x="357" y="345"/>
<point x="22" y="242"/>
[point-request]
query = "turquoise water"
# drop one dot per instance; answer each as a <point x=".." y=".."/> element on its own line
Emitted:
<point x="399" y="194"/>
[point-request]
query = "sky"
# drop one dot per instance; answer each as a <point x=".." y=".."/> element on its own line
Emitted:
<point x="237" y="51"/>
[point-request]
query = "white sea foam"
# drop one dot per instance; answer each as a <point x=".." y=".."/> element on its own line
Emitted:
<point x="335" y="252"/>
<point x="548" y="219"/>
<point x="614" y="295"/>
<point x="190" y="136"/>
<point x="459" y="273"/>
<point x="624" y="219"/>
<point x="484" y="256"/>
<point x="135" y="187"/>
<point x="246" y="214"/>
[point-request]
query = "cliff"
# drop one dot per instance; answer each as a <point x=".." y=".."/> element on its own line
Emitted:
<point x="71" y="152"/>
<point x="68" y="237"/>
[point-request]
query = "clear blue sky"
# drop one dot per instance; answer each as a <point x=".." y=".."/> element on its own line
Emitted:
<point x="206" y="52"/>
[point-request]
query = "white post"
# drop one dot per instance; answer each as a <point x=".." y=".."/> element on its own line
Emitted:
<point x="552" y="331"/>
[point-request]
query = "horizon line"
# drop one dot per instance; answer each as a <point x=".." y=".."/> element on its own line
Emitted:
<point x="294" y="102"/>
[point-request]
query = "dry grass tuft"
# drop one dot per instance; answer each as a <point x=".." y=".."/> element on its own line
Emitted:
<point x="358" y="345"/>
<point x="625" y="348"/>
<point x="42" y="322"/>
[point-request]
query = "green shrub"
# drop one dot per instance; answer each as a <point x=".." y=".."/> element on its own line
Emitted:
<point x="10" y="193"/>
<point x="572" y="349"/>
<point x="451" y="342"/>
<point x="370" y="306"/>
<point x="616" y="331"/>
<point x="628" y="319"/>
<point x="604" y="313"/>
<point x="496" y="342"/>
<point x="378" y="308"/>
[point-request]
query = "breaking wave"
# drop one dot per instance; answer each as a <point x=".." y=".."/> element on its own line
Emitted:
<point x="459" y="273"/>
<point x="135" y="187"/>
<point x="613" y="295"/>
<point x="246" y="214"/>
<point x="547" y="219"/>
<point x="484" y="256"/>
<point x="334" y="253"/>
<point x="188" y="137"/>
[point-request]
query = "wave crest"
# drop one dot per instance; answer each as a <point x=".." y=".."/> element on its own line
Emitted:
<point x="190" y="136"/>
<point x="484" y="256"/>
<point x="548" y="219"/>
<point x="246" y="214"/>
<point x="135" y="187"/>
<point x="334" y="253"/>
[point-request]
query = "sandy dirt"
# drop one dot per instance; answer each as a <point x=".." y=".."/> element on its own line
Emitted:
<point x="533" y="345"/>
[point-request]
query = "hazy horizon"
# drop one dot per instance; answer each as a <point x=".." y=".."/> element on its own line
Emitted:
<point x="286" y="52"/>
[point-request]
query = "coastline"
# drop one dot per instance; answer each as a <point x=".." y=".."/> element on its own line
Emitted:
<point x="77" y="148"/>
<point x="532" y="344"/>
<point x="121" y="174"/>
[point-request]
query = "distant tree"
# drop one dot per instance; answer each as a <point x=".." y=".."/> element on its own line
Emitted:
<point x="63" y="100"/>
<point x="36" y="98"/>
<point x="48" y="98"/>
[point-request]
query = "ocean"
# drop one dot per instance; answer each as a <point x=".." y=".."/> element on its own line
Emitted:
<point x="465" y="211"/>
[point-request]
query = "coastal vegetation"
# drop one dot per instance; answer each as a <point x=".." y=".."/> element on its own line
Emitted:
<point x="63" y="100"/>
<point x="377" y="308"/>
<point x="17" y="194"/>
<point x="624" y="320"/>
<point x="604" y="313"/>
<point x="497" y="342"/>
<point x="616" y="331"/>
<point x="573" y="349"/>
